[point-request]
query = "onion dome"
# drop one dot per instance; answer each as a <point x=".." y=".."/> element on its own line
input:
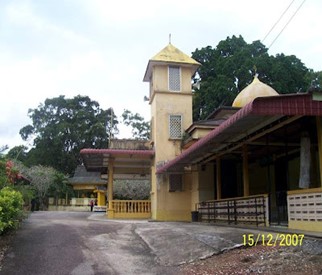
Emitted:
<point x="253" y="90"/>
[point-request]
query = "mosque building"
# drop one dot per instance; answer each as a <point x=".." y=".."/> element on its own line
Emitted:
<point x="258" y="161"/>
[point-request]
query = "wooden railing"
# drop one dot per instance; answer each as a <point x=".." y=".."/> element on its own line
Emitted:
<point x="252" y="209"/>
<point x="131" y="209"/>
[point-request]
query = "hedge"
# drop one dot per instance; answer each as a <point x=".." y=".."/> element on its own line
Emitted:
<point x="11" y="202"/>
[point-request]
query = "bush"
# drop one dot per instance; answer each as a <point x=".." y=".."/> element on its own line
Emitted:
<point x="10" y="208"/>
<point x="131" y="189"/>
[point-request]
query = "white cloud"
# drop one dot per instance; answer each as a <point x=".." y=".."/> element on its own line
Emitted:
<point x="101" y="48"/>
<point x="22" y="14"/>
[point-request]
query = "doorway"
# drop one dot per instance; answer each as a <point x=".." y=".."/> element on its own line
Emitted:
<point x="278" y="195"/>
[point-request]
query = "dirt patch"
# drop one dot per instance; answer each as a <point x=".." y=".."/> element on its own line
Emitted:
<point x="258" y="260"/>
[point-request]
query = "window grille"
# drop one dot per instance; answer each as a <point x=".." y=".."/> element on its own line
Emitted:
<point x="174" y="78"/>
<point x="175" y="183"/>
<point x="175" y="126"/>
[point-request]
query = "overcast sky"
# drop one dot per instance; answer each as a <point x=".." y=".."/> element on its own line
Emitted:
<point x="100" y="48"/>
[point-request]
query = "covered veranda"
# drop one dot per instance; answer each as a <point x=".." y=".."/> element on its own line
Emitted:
<point x="129" y="164"/>
<point x="260" y="166"/>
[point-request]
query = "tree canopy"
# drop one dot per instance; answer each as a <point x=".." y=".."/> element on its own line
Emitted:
<point x="231" y="66"/>
<point x="140" y="127"/>
<point x="61" y="127"/>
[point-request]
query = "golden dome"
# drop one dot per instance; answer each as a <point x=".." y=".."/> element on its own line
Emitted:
<point x="253" y="90"/>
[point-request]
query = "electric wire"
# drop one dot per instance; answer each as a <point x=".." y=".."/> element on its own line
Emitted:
<point x="286" y="24"/>
<point x="279" y="19"/>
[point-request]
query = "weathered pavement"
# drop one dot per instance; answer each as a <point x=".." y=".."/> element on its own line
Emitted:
<point x="86" y="243"/>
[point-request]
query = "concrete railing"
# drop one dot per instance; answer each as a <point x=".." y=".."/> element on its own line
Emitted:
<point x="80" y="201"/>
<point x="305" y="209"/>
<point x="131" y="209"/>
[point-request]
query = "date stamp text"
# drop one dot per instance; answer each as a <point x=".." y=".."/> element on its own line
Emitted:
<point x="269" y="239"/>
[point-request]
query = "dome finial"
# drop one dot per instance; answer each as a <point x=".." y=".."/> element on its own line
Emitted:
<point x="255" y="71"/>
<point x="169" y="38"/>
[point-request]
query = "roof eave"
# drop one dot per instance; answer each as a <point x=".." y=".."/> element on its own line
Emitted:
<point x="152" y="63"/>
<point x="292" y="105"/>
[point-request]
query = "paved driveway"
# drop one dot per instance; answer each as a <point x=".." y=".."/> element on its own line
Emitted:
<point x="87" y="243"/>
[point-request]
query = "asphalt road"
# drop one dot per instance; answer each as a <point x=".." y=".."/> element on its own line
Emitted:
<point x="55" y="243"/>
<point x="59" y="243"/>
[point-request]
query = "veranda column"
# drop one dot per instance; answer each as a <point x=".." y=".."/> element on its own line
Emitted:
<point x="110" y="210"/>
<point x="245" y="171"/>
<point x="218" y="180"/>
<point x="319" y="131"/>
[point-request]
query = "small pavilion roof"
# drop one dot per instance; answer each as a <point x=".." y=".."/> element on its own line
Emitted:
<point x="124" y="161"/>
<point x="81" y="176"/>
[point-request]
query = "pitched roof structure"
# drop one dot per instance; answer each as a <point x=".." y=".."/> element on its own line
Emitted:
<point x="126" y="162"/>
<point x="82" y="176"/>
<point x="170" y="54"/>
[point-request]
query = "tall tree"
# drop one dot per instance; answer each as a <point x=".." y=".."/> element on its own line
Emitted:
<point x="140" y="127"/>
<point x="60" y="187"/>
<point x="42" y="178"/>
<point x="3" y="148"/>
<point x="61" y="127"/>
<point x="231" y="66"/>
<point x="18" y="153"/>
<point x="315" y="79"/>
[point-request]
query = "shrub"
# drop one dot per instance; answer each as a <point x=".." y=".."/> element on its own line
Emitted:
<point x="131" y="189"/>
<point x="10" y="208"/>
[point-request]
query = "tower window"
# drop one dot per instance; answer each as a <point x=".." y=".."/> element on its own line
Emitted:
<point x="175" y="126"/>
<point x="174" y="78"/>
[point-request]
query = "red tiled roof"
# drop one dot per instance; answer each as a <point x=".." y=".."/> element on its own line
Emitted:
<point x="283" y="105"/>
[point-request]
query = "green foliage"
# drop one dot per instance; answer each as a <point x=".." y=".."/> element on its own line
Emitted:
<point x="140" y="128"/>
<point x="10" y="208"/>
<point x="61" y="127"/>
<point x="60" y="187"/>
<point x="3" y="175"/>
<point x="231" y="66"/>
<point x="19" y="184"/>
<point x="3" y="148"/>
<point x="18" y="153"/>
<point x="315" y="79"/>
<point x="41" y="179"/>
<point x="132" y="189"/>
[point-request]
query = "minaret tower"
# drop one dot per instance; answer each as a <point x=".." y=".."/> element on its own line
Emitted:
<point x="169" y="73"/>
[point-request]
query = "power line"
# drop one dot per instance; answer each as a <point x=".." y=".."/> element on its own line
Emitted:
<point x="279" y="19"/>
<point x="286" y="24"/>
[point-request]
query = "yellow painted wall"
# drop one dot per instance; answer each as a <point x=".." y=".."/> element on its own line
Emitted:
<point x="165" y="205"/>
<point x="164" y="105"/>
<point x="153" y="193"/>
<point x="200" y="133"/>
<point x="202" y="184"/>
<point x="194" y="187"/>
<point x="206" y="183"/>
<point x="160" y="79"/>
<point x="305" y="225"/>
<point x="174" y="206"/>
